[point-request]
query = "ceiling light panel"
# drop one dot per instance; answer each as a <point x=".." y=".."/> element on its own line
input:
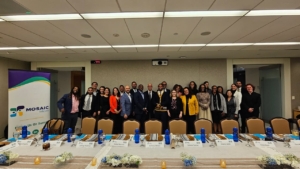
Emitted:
<point x="181" y="45"/>
<point x="274" y="12"/>
<point x="134" y="46"/>
<point x="43" y="47"/>
<point x="41" y="17"/>
<point x="9" y="48"/>
<point x="122" y="15"/>
<point x="229" y="44"/>
<point x="276" y="43"/>
<point x="205" y="13"/>
<point x="87" y="47"/>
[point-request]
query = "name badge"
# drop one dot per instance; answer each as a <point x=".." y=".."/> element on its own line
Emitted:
<point x="295" y="143"/>
<point x="10" y="146"/>
<point x="192" y="144"/>
<point x="119" y="143"/>
<point x="85" y="144"/>
<point x="223" y="143"/>
<point x="155" y="144"/>
<point x="264" y="144"/>
<point x="55" y="143"/>
<point x="24" y="142"/>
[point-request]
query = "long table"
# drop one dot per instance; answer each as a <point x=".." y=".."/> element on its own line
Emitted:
<point x="238" y="156"/>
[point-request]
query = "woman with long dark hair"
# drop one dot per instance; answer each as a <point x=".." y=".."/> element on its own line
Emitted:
<point x="193" y="88"/>
<point x="232" y="105"/>
<point x="104" y="104"/>
<point x="190" y="109"/>
<point x="204" y="100"/>
<point x="218" y="108"/>
<point x="114" y="102"/>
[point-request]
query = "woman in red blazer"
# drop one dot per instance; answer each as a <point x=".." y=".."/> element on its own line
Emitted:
<point x="114" y="102"/>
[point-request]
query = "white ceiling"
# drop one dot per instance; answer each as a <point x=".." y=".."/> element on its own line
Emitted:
<point x="161" y="30"/>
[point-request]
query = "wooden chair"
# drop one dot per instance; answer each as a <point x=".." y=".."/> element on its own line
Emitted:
<point x="228" y="124"/>
<point x="56" y="126"/>
<point x="177" y="126"/>
<point x="106" y="125"/>
<point x="256" y="126"/>
<point x="280" y="125"/>
<point x="153" y="126"/>
<point x="129" y="126"/>
<point x="88" y="125"/>
<point x="203" y="123"/>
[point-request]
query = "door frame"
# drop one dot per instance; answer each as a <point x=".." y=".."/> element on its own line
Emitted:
<point x="285" y="78"/>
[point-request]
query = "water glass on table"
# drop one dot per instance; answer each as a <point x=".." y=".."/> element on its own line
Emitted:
<point x="142" y="138"/>
<point x="16" y="135"/>
<point x="103" y="138"/>
<point x="73" y="138"/>
<point x="286" y="140"/>
<point x="177" y="138"/>
<point x="212" y="140"/>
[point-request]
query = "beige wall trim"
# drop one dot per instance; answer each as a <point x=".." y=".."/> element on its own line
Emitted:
<point x="87" y="65"/>
<point x="286" y="78"/>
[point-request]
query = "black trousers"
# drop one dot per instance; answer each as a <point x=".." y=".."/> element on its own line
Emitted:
<point x="86" y="114"/>
<point x="117" y="128"/>
<point x="190" y="119"/>
<point x="244" y="117"/>
<point x="163" y="117"/>
<point x="70" y="122"/>
<point x="141" y="118"/>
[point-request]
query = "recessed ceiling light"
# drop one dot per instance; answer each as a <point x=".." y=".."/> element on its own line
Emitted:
<point x="182" y="57"/>
<point x="229" y="44"/>
<point x="181" y="45"/>
<point x="134" y="46"/>
<point x="273" y="12"/>
<point x="86" y="35"/>
<point x="41" y="17"/>
<point x="116" y="35"/>
<point x="9" y="48"/>
<point x="205" y="33"/>
<point x="276" y="43"/>
<point x="43" y="47"/>
<point x="205" y="13"/>
<point x="122" y="15"/>
<point x="86" y="47"/>
<point x="145" y="35"/>
<point x="175" y="34"/>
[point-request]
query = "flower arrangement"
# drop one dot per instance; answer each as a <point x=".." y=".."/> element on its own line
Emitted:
<point x="188" y="160"/>
<point x="7" y="157"/>
<point x="64" y="157"/>
<point x="127" y="160"/>
<point x="279" y="160"/>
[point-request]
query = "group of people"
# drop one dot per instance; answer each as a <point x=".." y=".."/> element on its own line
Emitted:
<point x="189" y="103"/>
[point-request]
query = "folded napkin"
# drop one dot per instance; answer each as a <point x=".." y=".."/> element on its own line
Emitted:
<point x="63" y="137"/>
<point x="13" y="139"/>
<point x="121" y="137"/>
<point x="184" y="137"/>
<point x="108" y="137"/>
<point x="229" y="136"/>
<point x="93" y="137"/>
<point x="197" y="136"/>
<point x="52" y="136"/>
<point x="154" y="137"/>
<point x="80" y="137"/>
<point x="261" y="136"/>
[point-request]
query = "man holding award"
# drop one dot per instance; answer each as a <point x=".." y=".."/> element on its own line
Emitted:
<point x="161" y="112"/>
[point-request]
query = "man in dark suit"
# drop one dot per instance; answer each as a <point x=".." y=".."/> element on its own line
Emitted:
<point x="126" y="104"/>
<point x="133" y="90"/>
<point x="140" y="107"/>
<point x="150" y="99"/>
<point x="251" y="102"/>
<point x="69" y="106"/>
<point x="164" y="84"/>
<point x="240" y="87"/>
<point x="161" y="101"/>
<point x="88" y="104"/>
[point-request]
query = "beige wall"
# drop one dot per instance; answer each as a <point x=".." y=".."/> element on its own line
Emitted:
<point x="63" y="85"/>
<point x="252" y="76"/>
<point x="295" y="81"/>
<point x="6" y="64"/>
<point x="114" y="73"/>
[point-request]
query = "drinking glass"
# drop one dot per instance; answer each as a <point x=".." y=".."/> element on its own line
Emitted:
<point x="16" y="135"/>
<point x="286" y="140"/>
<point x="295" y="132"/>
<point x="102" y="137"/>
<point x="73" y="138"/>
<point x="177" y="138"/>
<point x="212" y="140"/>
<point x="249" y="139"/>
<point x="142" y="138"/>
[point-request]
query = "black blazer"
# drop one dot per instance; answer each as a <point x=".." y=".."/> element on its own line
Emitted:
<point x="150" y="102"/>
<point x="140" y="103"/>
<point x="94" y="105"/>
<point x="178" y="104"/>
<point x="168" y="92"/>
<point x="251" y="101"/>
<point x="164" y="99"/>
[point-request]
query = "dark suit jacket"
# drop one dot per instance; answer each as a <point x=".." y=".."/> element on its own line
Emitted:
<point x="167" y="91"/>
<point x="94" y="105"/>
<point x="66" y="103"/>
<point x="140" y="103"/>
<point x="164" y="99"/>
<point x="251" y="101"/>
<point x="150" y="102"/>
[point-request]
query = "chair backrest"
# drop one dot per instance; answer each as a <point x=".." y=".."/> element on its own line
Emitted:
<point x="256" y="126"/>
<point x="55" y="126"/>
<point x="153" y="126"/>
<point x="203" y="123"/>
<point x="106" y="125"/>
<point x="228" y="124"/>
<point x="88" y="125"/>
<point x="280" y="125"/>
<point x="129" y="126"/>
<point x="177" y="126"/>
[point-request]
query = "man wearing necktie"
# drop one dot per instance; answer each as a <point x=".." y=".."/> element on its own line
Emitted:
<point x="150" y="95"/>
<point x="140" y="107"/>
<point x="161" y="101"/>
<point x="164" y="84"/>
<point x="88" y="104"/>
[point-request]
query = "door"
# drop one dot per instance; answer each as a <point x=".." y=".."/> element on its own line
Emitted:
<point x="270" y="90"/>
<point x="78" y="79"/>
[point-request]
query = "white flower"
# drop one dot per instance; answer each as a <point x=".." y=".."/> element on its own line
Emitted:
<point x="115" y="162"/>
